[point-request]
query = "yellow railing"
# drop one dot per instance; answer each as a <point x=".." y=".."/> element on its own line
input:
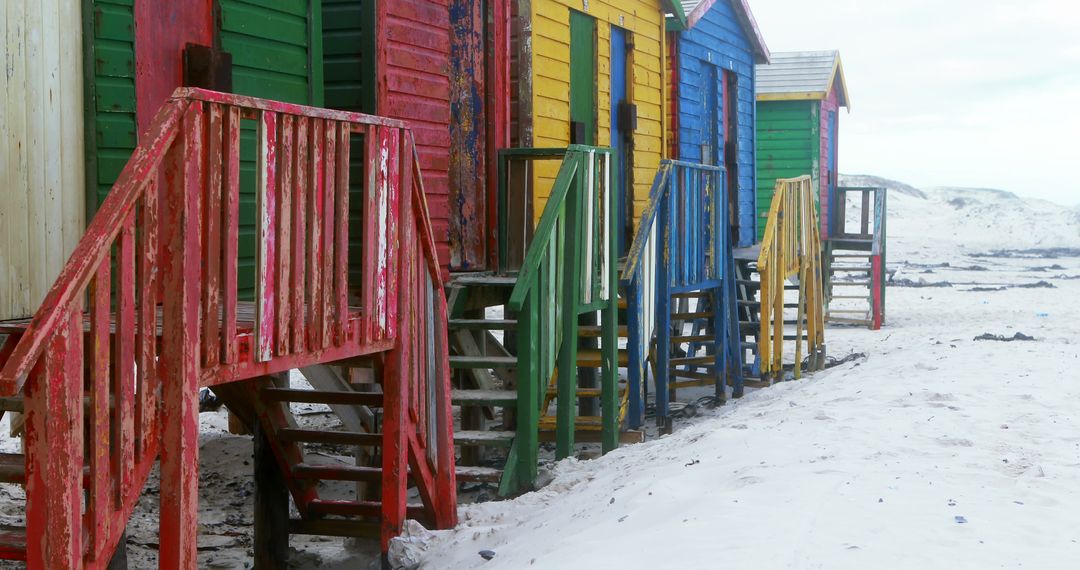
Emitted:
<point x="790" y="249"/>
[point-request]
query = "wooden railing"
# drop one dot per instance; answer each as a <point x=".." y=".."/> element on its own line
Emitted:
<point x="569" y="269"/>
<point x="791" y="248"/>
<point x="682" y="245"/>
<point x="160" y="258"/>
<point x="870" y="236"/>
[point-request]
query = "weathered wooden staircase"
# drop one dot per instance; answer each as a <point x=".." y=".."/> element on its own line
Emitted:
<point x="526" y="341"/>
<point x="149" y="308"/>
<point x="855" y="260"/>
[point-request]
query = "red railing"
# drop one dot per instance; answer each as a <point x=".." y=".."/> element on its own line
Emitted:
<point x="153" y="291"/>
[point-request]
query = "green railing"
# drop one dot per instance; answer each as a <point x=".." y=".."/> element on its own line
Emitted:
<point x="568" y="269"/>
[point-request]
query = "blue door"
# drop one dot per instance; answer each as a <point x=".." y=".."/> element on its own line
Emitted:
<point x="620" y="134"/>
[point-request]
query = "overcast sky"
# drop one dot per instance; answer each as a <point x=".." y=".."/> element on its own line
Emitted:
<point x="981" y="93"/>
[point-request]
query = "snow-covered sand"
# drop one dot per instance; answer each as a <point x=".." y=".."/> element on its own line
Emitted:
<point x="934" y="451"/>
<point x="866" y="465"/>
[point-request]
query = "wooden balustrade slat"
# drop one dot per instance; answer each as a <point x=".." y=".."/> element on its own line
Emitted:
<point x="265" y="284"/>
<point x="299" y="245"/>
<point x="393" y="206"/>
<point x="341" y="232"/>
<point x="63" y="448"/>
<point x="285" y="158"/>
<point x="124" y="361"/>
<point x="374" y="179"/>
<point x="148" y="302"/>
<point x="315" y="237"/>
<point x="211" y="342"/>
<point x="100" y="499"/>
<point x="232" y="232"/>
<point x="326" y="303"/>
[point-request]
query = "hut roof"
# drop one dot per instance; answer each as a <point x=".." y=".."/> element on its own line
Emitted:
<point x="803" y="75"/>
<point x="694" y="10"/>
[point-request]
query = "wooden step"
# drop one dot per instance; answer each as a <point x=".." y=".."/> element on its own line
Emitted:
<point x="593" y="331"/>
<point x="858" y="269"/>
<point x="482" y="324"/>
<point x="622" y="304"/>
<point x="341" y="397"/>
<point x="848" y="311"/>
<point x="484" y="397"/>
<point x="758" y="304"/>
<point x="338" y="472"/>
<point x="692" y="295"/>
<point x="707" y="376"/>
<point x="689" y="316"/>
<point x="852" y="297"/>
<point x="584" y="423"/>
<point x="484" y="280"/>
<point x="472" y="474"/>
<point x="483" y="362"/>
<point x="851" y="283"/>
<point x="487" y="438"/>
<point x="862" y="255"/>
<point x="693" y="338"/>
<point x="11" y="405"/>
<point x="294" y="435"/>
<point x="848" y="321"/>
<point x="13" y="543"/>
<point x="372" y="509"/>
<point x="590" y="358"/>
<point x="692" y="360"/>
<point x="626" y="437"/>
<point x="12" y="468"/>
<point x="335" y="527"/>
<point x="749" y="283"/>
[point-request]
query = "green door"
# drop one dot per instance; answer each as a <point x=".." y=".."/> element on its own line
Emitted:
<point x="582" y="79"/>
<point x="276" y="46"/>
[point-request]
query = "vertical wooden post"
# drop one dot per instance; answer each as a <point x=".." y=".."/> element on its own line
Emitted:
<point x="528" y="405"/>
<point x="180" y="355"/>
<point x="271" y="505"/>
<point x="571" y="280"/>
<point x="663" y="304"/>
<point x="609" y="387"/>
<point x="635" y="346"/>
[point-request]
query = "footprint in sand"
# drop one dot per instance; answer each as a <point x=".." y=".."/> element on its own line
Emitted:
<point x="955" y="442"/>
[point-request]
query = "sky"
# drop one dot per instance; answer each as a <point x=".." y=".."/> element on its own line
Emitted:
<point x="975" y="93"/>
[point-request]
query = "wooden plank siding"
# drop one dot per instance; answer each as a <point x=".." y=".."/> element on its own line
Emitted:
<point x="549" y="25"/>
<point x="413" y="85"/>
<point x="831" y="104"/>
<point x="717" y="40"/>
<point x="788" y="146"/>
<point x="41" y="147"/>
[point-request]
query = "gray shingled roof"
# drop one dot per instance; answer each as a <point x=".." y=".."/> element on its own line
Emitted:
<point x="800" y="72"/>
<point x="689" y="5"/>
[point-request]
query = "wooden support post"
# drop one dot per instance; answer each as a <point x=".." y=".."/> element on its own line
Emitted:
<point x="528" y="403"/>
<point x="663" y="307"/>
<point x="565" y="420"/>
<point x="271" y="505"/>
<point x="635" y="345"/>
<point x="179" y="367"/>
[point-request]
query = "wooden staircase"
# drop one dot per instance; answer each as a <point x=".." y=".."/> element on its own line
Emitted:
<point x="854" y="258"/>
<point x="849" y="292"/>
<point x="149" y="309"/>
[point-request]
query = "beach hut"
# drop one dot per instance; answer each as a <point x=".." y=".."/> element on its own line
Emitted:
<point x="712" y="98"/>
<point x="799" y="95"/>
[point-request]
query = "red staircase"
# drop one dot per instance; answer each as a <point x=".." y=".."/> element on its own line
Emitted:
<point x="149" y="309"/>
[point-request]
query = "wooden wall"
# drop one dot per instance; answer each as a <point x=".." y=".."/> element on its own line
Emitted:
<point x="549" y="21"/>
<point x="831" y="104"/>
<point x="718" y="40"/>
<point x="42" y="196"/>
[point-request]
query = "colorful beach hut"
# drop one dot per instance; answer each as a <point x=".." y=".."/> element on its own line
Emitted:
<point x="712" y="98"/>
<point x="799" y="96"/>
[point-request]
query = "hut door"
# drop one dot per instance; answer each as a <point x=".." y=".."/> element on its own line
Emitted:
<point x="831" y="174"/>
<point x="582" y="79"/>
<point x="710" y="136"/>
<point x="731" y="150"/>
<point x="622" y="132"/>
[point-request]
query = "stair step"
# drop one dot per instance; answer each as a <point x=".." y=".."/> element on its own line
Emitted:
<point x="330" y="437"/>
<point x="13" y="544"/>
<point x="848" y="311"/>
<point x="471" y="474"/>
<point x="692" y="295"/>
<point x="339" y="472"/>
<point x="693" y="360"/>
<point x="11" y="405"/>
<point x="584" y="423"/>
<point x="373" y="509"/>
<point x="590" y="358"/>
<point x="693" y="338"/>
<point x="848" y="321"/>
<point x="865" y="255"/>
<point x="485" y="280"/>
<point x="341" y="397"/>
<point x="689" y="316"/>
<point x="483" y="362"/>
<point x="482" y="324"/>
<point x="851" y="283"/>
<point x="853" y="297"/>
<point x="622" y="304"/>
<point x="593" y="331"/>
<point x="12" y="468"/>
<point x="335" y="527"/>
<point x="758" y="304"/>
<point x="707" y="376"/>
<point x="489" y="438"/>
<point x="484" y="397"/>
<point x="855" y="269"/>
<point x="749" y="283"/>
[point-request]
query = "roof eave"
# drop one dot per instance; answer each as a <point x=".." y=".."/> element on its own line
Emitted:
<point x="750" y="26"/>
<point x="843" y="99"/>
<point x="676" y="19"/>
<point x="793" y="96"/>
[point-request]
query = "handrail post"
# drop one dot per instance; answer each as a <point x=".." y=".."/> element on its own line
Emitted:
<point x="528" y="403"/>
<point x="663" y="302"/>
<point x="636" y="350"/>
<point x="571" y="280"/>
<point x="610" y="315"/>
<point x="179" y="368"/>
